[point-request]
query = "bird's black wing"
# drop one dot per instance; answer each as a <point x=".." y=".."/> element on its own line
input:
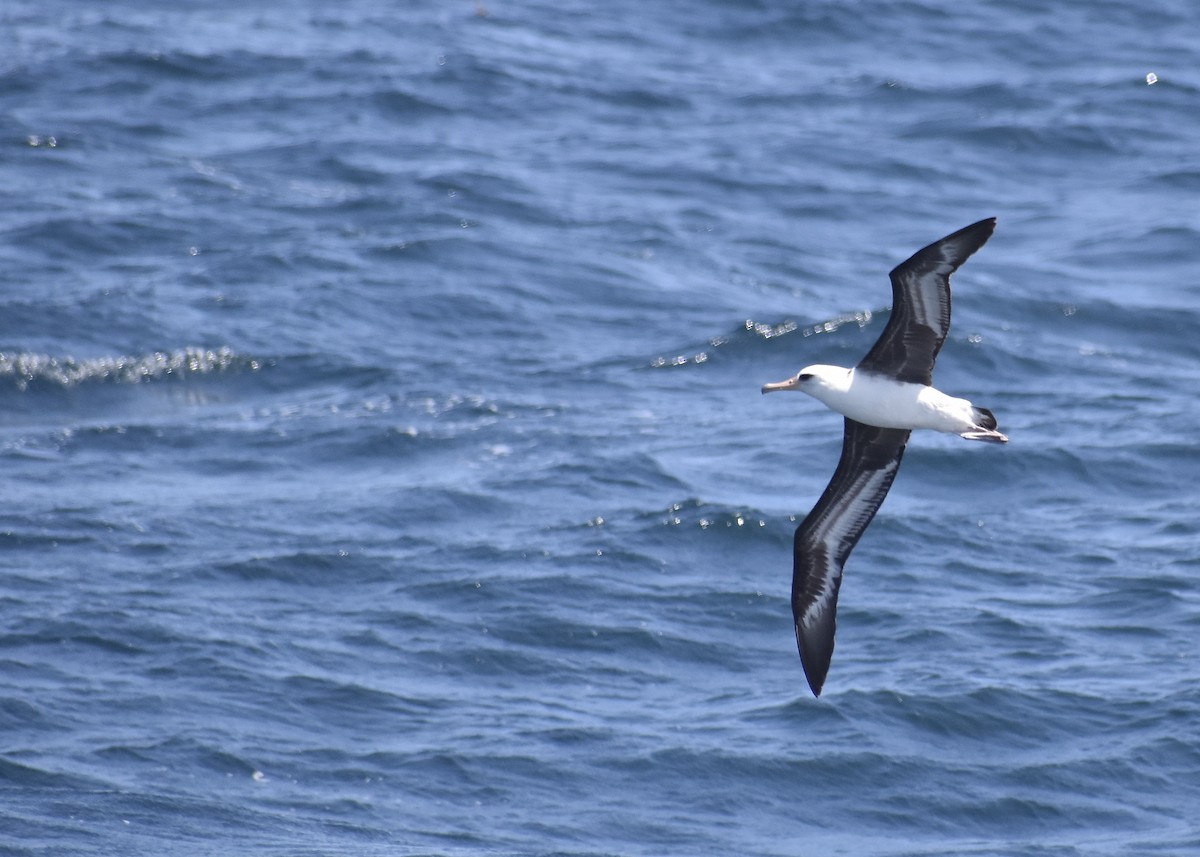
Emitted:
<point x="920" y="314"/>
<point x="870" y="459"/>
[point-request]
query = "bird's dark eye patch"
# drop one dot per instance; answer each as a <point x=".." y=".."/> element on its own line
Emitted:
<point x="804" y="376"/>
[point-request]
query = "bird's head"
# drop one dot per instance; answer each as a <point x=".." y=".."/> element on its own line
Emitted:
<point x="813" y="380"/>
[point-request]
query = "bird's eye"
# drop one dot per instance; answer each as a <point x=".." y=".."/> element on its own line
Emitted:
<point x="805" y="376"/>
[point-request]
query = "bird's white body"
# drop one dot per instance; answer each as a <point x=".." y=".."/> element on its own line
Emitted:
<point x="881" y="401"/>
<point x="877" y="400"/>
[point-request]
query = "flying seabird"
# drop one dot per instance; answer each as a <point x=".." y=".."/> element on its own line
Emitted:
<point x="887" y="395"/>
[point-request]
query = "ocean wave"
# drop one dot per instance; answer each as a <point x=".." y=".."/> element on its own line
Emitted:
<point x="24" y="370"/>
<point x="753" y="334"/>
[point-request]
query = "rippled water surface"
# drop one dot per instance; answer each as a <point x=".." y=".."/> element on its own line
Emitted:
<point x="385" y="470"/>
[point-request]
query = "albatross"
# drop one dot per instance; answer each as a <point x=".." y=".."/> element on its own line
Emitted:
<point x="887" y="395"/>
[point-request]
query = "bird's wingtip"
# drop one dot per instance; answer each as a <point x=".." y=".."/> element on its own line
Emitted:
<point x="816" y="652"/>
<point x="816" y="679"/>
<point x="988" y="224"/>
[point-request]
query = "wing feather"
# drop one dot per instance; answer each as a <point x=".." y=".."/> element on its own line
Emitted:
<point x="920" y="317"/>
<point x="870" y="458"/>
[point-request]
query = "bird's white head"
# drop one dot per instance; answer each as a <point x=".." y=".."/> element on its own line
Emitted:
<point x="817" y="381"/>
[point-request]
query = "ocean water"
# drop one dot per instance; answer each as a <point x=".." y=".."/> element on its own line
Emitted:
<point x="385" y="470"/>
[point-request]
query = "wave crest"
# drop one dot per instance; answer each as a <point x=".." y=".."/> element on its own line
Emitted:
<point x="25" y="369"/>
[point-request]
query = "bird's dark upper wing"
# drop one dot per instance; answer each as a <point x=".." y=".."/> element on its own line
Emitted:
<point x="870" y="459"/>
<point x="920" y="314"/>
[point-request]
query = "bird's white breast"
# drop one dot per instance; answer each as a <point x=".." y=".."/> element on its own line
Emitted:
<point x="880" y="401"/>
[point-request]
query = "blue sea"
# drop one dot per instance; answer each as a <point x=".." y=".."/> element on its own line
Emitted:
<point x="384" y="467"/>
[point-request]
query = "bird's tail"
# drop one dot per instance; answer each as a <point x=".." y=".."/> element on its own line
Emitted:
<point x="985" y="427"/>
